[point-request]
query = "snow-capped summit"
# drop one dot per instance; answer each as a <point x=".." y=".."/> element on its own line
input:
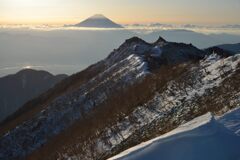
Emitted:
<point x="161" y="52"/>
<point x="97" y="16"/>
<point x="98" y="21"/>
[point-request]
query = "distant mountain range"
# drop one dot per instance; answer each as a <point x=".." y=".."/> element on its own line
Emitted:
<point x="200" y="40"/>
<point x="231" y="47"/>
<point x="98" y="21"/>
<point x="17" y="89"/>
<point x="139" y="91"/>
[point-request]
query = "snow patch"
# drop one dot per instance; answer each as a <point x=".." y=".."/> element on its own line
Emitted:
<point x="156" y="52"/>
<point x="140" y="48"/>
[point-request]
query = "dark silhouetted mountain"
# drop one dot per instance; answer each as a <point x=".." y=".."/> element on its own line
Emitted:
<point x="200" y="40"/>
<point x="17" y="89"/>
<point x="98" y="21"/>
<point x="231" y="47"/>
<point x="221" y="52"/>
<point x="139" y="91"/>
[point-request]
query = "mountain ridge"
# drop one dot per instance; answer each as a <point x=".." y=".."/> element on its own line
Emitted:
<point x="139" y="91"/>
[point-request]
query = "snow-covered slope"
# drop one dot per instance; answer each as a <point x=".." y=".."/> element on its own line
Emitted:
<point x="202" y="138"/>
<point x="140" y="91"/>
<point x="120" y="72"/>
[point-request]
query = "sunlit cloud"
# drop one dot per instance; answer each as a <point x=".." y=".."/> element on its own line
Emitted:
<point x="27" y="67"/>
<point x="138" y="28"/>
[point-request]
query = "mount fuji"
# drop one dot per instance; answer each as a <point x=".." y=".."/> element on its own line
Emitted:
<point x="98" y="21"/>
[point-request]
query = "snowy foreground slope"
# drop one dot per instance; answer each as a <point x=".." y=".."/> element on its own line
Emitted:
<point x="231" y="120"/>
<point x="202" y="138"/>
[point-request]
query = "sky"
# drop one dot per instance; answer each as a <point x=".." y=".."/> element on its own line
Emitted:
<point x="121" y="11"/>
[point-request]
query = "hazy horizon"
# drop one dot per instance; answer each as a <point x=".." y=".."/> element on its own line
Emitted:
<point x="135" y="11"/>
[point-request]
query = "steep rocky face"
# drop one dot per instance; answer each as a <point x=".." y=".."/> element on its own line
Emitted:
<point x="139" y="91"/>
<point x="17" y="89"/>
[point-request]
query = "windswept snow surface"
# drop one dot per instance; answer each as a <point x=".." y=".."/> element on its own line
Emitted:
<point x="203" y="138"/>
<point x="231" y="120"/>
